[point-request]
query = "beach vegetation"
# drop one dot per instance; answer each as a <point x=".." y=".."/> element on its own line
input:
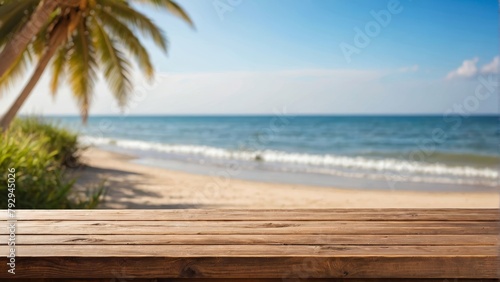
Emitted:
<point x="34" y="160"/>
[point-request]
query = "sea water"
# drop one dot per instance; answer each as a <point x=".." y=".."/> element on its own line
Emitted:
<point x="383" y="152"/>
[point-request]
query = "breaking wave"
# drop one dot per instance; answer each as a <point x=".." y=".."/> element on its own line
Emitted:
<point x="312" y="162"/>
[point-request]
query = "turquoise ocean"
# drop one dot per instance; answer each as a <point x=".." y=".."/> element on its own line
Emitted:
<point x="370" y="152"/>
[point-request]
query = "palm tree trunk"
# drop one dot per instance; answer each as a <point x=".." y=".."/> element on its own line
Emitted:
<point x="18" y="44"/>
<point x="60" y="36"/>
<point x="12" y="112"/>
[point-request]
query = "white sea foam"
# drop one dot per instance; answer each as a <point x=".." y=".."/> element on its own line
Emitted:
<point x="385" y="166"/>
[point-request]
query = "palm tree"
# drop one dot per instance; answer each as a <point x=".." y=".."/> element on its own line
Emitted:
<point x="27" y="27"/>
<point x="78" y="40"/>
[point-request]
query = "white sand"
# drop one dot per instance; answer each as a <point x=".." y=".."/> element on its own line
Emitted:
<point x="136" y="186"/>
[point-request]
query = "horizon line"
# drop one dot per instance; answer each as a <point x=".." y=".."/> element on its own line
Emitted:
<point x="269" y="114"/>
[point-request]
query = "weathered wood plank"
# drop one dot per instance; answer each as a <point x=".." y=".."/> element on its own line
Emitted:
<point x="263" y="251"/>
<point x="272" y="244"/>
<point x="264" y="215"/>
<point x="290" y="279"/>
<point x="257" y="239"/>
<point x="257" y="227"/>
<point x="235" y="267"/>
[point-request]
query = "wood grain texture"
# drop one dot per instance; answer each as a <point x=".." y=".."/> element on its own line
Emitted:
<point x="258" y="239"/>
<point x="257" y="227"/>
<point x="269" y="245"/>
<point x="257" y="267"/>
<point x="249" y="280"/>
<point x="264" y="215"/>
<point x="266" y="251"/>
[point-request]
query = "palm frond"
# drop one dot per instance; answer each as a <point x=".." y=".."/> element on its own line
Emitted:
<point x="172" y="7"/>
<point x="128" y="39"/>
<point x="13" y="16"/>
<point x="136" y="20"/>
<point x="16" y="71"/>
<point x="59" y="68"/>
<point x="9" y="6"/>
<point x="82" y="67"/>
<point x="40" y="41"/>
<point x="116" y="66"/>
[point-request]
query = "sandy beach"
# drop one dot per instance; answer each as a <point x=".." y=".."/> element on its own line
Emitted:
<point x="134" y="186"/>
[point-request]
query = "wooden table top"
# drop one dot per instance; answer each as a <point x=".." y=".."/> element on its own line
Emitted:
<point x="274" y="244"/>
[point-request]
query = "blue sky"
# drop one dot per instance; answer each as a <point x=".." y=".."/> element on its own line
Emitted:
<point x="293" y="34"/>
<point x="256" y="56"/>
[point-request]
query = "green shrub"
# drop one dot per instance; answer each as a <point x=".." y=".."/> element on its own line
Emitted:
<point x="39" y="153"/>
<point x="62" y="141"/>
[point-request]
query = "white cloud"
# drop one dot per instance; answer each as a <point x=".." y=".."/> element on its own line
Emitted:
<point x="492" y="67"/>
<point x="468" y="69"/>
<point x="413" y="68"/>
